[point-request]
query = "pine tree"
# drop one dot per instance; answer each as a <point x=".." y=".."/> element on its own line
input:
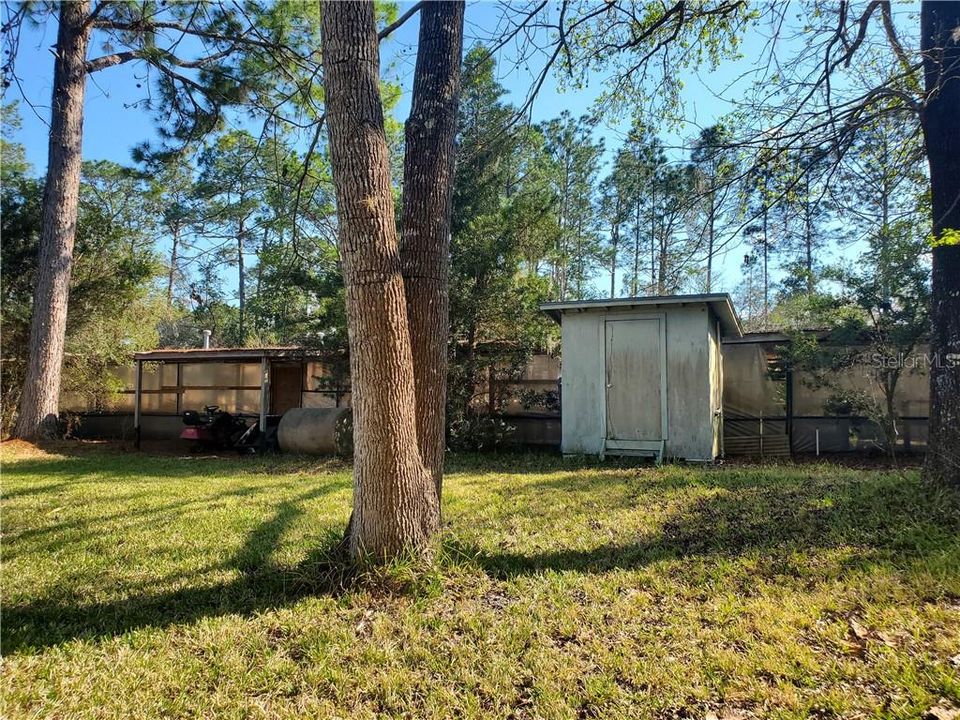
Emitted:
<point x="576" y="158"/>
<point x="808" y="210"/>
<point x="235" y="47"/>
<point x="714" y="200"/>
<point x="767" y="220"/>
<point x="502" y="216"/>
<point x="231" y="186"/>
<point x="615" y="194"/>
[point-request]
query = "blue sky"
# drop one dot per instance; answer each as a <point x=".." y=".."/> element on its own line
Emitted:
<point x="114" y="124"/>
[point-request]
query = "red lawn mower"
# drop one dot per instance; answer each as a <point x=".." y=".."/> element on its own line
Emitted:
<point x="216" y="429"/>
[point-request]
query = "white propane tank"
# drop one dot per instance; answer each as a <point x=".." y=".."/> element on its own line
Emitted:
<point x="316" y="431"/>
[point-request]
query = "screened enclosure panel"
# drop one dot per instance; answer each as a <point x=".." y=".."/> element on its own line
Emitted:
<point x="73" y="402"/>
<point x="114" y="402"/>
<point x="320" y="400"/>
<point x="124" y="375"/>
<point x="911" y="398"/>
<point x="158" y="403"/>
<point x="168" y="375"/>
<point x="321" y="376"/>
<point x="220" y="374"/>
<point x="243" y="401"/>
<point x="155" y="376"/>
<point x="151" y="378"/>
<point x="748" y="389"/>
<point x="122" y="403"/>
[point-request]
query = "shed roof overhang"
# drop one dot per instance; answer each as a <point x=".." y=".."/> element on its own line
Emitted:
<point x="719" y="303"/>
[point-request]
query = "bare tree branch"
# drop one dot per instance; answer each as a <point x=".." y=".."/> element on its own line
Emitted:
<point x="389" y="29"/>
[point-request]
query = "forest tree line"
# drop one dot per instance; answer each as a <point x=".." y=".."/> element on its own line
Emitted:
<point x="528" y="212"/>
<point x="240" y="238"/>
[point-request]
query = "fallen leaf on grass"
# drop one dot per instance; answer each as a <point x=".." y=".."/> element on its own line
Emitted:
<point x="727" y="715"/>
<point x="857" y="630"/>
<point x="943" y="710"/>
<point x="859" y="634"/>
<point x="892" y="639"/>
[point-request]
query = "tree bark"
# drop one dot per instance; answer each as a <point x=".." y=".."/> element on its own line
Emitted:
<point x="396" y="508"/>
<point x="662" y="268"/>
<point x="635" y="284"/>
<point x="241" y="287"/>
<point x="263" y="253"/>
<point x="808" y="236"/>
<point x="889" y="388"/>
<point x="614" y="241"/>
<point x="174" y="260"/>
<point x="427" y="205"/>
<point x="710" y="236"/>
<point x="40" y="400"/>
<point x="766" y="277"/>
<point x="941" y="50"/>
<point x="653" y="236"/>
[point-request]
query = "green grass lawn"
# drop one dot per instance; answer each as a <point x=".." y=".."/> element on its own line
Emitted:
<point x="139" y="586"/>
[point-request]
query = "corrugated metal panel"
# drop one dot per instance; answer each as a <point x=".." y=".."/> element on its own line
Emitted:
<point x="756" y="437"/>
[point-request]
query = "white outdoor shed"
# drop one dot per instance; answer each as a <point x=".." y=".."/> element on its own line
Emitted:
<point x="644" y="375"/>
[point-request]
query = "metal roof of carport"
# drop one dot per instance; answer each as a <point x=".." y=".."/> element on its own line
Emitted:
<point x="292" y="352"/>
<point x="720" y="303"/>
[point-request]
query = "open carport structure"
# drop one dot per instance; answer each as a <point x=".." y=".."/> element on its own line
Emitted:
<point x="265" y="381"/>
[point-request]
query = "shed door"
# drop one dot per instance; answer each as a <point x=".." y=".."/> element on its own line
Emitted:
<point x="634" y="357"/>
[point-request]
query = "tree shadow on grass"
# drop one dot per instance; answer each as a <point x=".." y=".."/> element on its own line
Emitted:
<point x="75" y="530"/>
<point x="260" y="584"/>
<point x="254" y="555"/>
<point x="760" y="491"/>
<point x="47" y="622"/>
<point x="880" y="518"/>
<point x="69" y="468"/>
<point x="885" y="519"/>
<point x="535" y="461"/>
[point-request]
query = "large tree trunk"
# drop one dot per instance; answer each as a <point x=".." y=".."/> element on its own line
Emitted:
<point x="427" y="206"/>
<point x="635" y="284"/>
<point x="941" y="47"/>
<point x="241" y="285"/>
<point x="174" y="260"/>
<point x="396" y="508"/>
<point x="766" y="277"/>
<point x="614" y="241"/>
<point x="653" y="237"/>
<point x="710" y="238"/>
<point x="39" y="403"/>
<point x="808" y="235"/>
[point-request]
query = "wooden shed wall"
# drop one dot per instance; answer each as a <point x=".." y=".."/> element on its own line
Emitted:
<point x="690" y="432"/>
